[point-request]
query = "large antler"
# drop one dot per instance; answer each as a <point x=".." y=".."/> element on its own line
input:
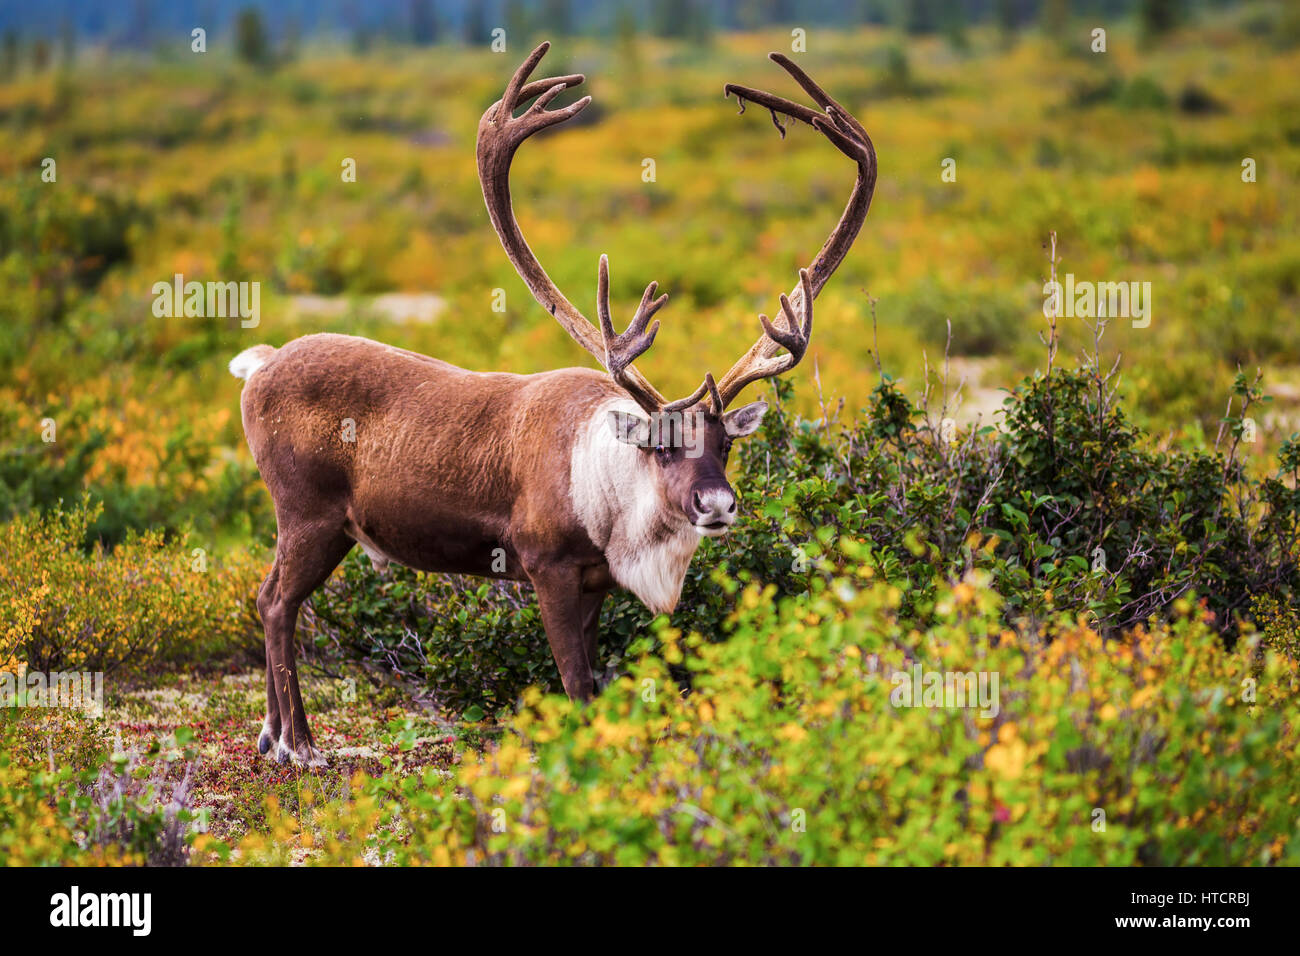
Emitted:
<point x="848" y="136"/>
<point x="500" y="134"/>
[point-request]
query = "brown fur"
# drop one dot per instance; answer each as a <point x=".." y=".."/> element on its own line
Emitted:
<point x="447" y="465"/>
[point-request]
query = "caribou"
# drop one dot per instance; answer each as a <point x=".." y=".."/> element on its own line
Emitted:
<point x="582" y="480"/>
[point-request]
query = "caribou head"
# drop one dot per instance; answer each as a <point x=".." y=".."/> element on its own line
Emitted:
<point x="685" y="442"/>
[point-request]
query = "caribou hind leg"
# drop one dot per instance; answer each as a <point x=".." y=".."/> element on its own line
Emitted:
<point x="305" y="557"/>
<point x="270" y="734"/>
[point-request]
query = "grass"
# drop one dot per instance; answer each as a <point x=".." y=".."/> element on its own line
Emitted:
<point x="230" y="784"/>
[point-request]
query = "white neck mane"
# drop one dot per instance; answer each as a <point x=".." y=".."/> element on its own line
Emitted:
<point x="647" y="542"/>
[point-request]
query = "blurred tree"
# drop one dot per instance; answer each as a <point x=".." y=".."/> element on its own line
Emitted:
<point x="1288" y="27"/>
<point x="291" y="42"/>
<point x="67" y="42"/>
<point x="625" y="34"/>
<point x="783" y="11"/>
<point x="700" y="25"/>
<point x="684" y="19"/>
<point x="228" y="256"/>
<point x="952" y="18"/>
<point x="749" y="14"/>
<point x="357" y="27"/>
<point x="65" y="94"/>
<point x="672" y="18"/>
<point x="919" y="16"/>
<point x="9" y="54"/>
<point x="288" y="169"/>
<point x="476" y="32"/>
<point x="141" y="24"/>
<point x="557" y="18"/>
<point x="362" y="38"/>
<point x="251" y="44"/>
<point x="873" y="11"/>
<point x="424" y="22"/>
<point x="898" y="71"/>
<point x="518" y="29"/>
<point x="40" y="54"/>
<point x="1159" y="16"/>
<point x="1056" y="18"/>
<point x="1008" y="17"/>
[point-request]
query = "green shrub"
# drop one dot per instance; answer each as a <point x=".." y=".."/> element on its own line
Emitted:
<point x="167" y="474"/>
<point x="470" y="644"/>
<point x="112" y="810"/>
<point x="55" y="243"/>
<point x="1197" y="100"/>
<point x="1160" y="748"/>
<point x="983" y="324"/>
<point x="146" y="602"/>
<point x="1139" y="93"/>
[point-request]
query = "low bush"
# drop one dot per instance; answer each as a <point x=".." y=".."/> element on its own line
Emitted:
<point x="147" y="602"/>
<point x="61" y="241"/>
<point x="794" y="744"/>
<point x="143" y="466"/>
<point x="113" y="810"/>
<point x="989" y="324"/>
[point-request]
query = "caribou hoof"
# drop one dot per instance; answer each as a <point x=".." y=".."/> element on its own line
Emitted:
<point x="266" y="739"/>
<point x="305" y="755"/>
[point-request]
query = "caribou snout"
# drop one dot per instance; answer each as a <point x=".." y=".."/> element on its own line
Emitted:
<point x="712" y="509"/>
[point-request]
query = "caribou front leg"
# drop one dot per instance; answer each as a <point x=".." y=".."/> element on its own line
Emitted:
<point x="270" y="735"/>
<point x="591" y="605"/>
<point x="559" y="594"/>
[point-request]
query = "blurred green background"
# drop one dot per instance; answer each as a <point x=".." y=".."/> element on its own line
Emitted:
<point x="227" y="165"/>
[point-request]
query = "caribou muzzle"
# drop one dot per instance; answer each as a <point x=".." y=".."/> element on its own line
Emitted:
<point x="712" y="509"/>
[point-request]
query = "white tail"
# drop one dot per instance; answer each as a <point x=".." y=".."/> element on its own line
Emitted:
<point x="249" y="361"/>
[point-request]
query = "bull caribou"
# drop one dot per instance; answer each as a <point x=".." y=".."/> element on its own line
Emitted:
<point x="583" y="480"/>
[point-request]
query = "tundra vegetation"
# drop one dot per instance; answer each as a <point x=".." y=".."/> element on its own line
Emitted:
<point x="1108" y="540"/>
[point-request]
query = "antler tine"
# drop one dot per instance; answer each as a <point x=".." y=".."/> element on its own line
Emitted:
<point x="795" y="338"/>
<point x="510" y="99"/>
<point x="847" y="135"/>
<point x="500" y="134"/>
<point x="820" y="96"/>
<point x="621" y="350"/>
<point x="517" y="91"/>
<point x="714" y="397"/>
<point x="770" y="101"/>
<point x="706" y="387"/>
<point x="537" y="87"/>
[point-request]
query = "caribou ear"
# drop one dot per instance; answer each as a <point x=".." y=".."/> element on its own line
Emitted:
<point x="744" y="421"/>
<point x="630" y="429"/>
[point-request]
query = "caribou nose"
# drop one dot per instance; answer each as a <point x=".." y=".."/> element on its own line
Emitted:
<point x="714" y="509"/>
